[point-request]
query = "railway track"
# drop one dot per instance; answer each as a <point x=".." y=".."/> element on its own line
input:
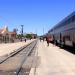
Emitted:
<point x="13" y="63"/>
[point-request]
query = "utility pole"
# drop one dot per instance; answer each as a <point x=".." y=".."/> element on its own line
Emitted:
<point x="43" y="30"/>
<point x="36" y="31"/>
<point x="43" y="33"/>
<point x="22" y="31"/>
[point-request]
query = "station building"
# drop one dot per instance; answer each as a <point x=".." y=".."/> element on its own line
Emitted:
<point x="7" y="36"/>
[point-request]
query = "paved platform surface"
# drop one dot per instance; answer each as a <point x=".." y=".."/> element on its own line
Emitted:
<point x="10" y="47"/>
<point x="54" y="61"/>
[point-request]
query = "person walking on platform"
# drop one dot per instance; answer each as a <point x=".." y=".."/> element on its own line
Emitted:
<point x="48" y="40"/>
<point x="43" y="39"/>
<point x="25" y="39"/>
<point x="40" y="39"/>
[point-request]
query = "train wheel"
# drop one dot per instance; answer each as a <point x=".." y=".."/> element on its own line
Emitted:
<point x="61" y="44"/>
<point x="74" y="45"/>
<point x="55" y="42"/>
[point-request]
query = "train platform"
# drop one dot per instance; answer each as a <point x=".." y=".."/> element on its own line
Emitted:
<point x="11" y="47"/>
<point x="53" y="61"/>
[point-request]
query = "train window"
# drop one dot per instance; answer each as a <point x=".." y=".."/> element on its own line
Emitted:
<point x="69" y="20"/>
<point x="67" y="37"/>
<point x="73" y="18"/>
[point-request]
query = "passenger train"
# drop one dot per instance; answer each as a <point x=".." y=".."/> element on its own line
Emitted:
<point x="64" y="32"/>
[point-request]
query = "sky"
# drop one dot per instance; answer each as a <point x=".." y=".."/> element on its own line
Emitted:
<point x="37" y="16"/>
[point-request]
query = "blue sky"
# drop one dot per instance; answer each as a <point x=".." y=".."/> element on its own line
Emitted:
<point x="35" y="15"/>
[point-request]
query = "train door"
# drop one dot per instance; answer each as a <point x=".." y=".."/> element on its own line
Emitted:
<point x="60" y="37"/>
<point x="60" y="40"/>
<point x="68" y="39"/>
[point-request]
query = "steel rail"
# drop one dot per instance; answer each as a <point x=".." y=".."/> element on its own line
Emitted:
<point x="14" y="53"/>
<point x="25" y="57"/>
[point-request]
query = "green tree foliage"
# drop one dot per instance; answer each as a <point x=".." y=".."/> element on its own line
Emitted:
<point x="29" y="36"/>
<point x="19" y="36"/>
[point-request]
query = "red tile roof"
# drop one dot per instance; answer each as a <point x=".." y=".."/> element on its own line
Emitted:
<point x="1" y="30"/>
<point x="12" y="33"/>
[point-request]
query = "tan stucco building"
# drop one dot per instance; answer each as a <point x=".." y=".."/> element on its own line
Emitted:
<point x="6" y="36"/>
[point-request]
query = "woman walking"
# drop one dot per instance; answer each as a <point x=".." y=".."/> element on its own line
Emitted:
<point x="48" y="40"/>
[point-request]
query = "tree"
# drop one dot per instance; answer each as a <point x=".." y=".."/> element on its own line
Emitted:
<point x="19" y="36"/>
<point x="29" y="36"/>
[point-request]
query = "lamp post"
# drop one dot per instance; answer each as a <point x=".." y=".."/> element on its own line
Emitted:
<point x="22" y="31"/>
<point x="43" y="33"/>
<point x="43" y="30"/>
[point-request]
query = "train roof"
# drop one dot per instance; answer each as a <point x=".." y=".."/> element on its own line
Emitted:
<point x="66" y="18"/>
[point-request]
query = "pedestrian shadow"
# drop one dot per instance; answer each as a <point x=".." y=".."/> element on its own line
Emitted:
<point x="69" y="49"/>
